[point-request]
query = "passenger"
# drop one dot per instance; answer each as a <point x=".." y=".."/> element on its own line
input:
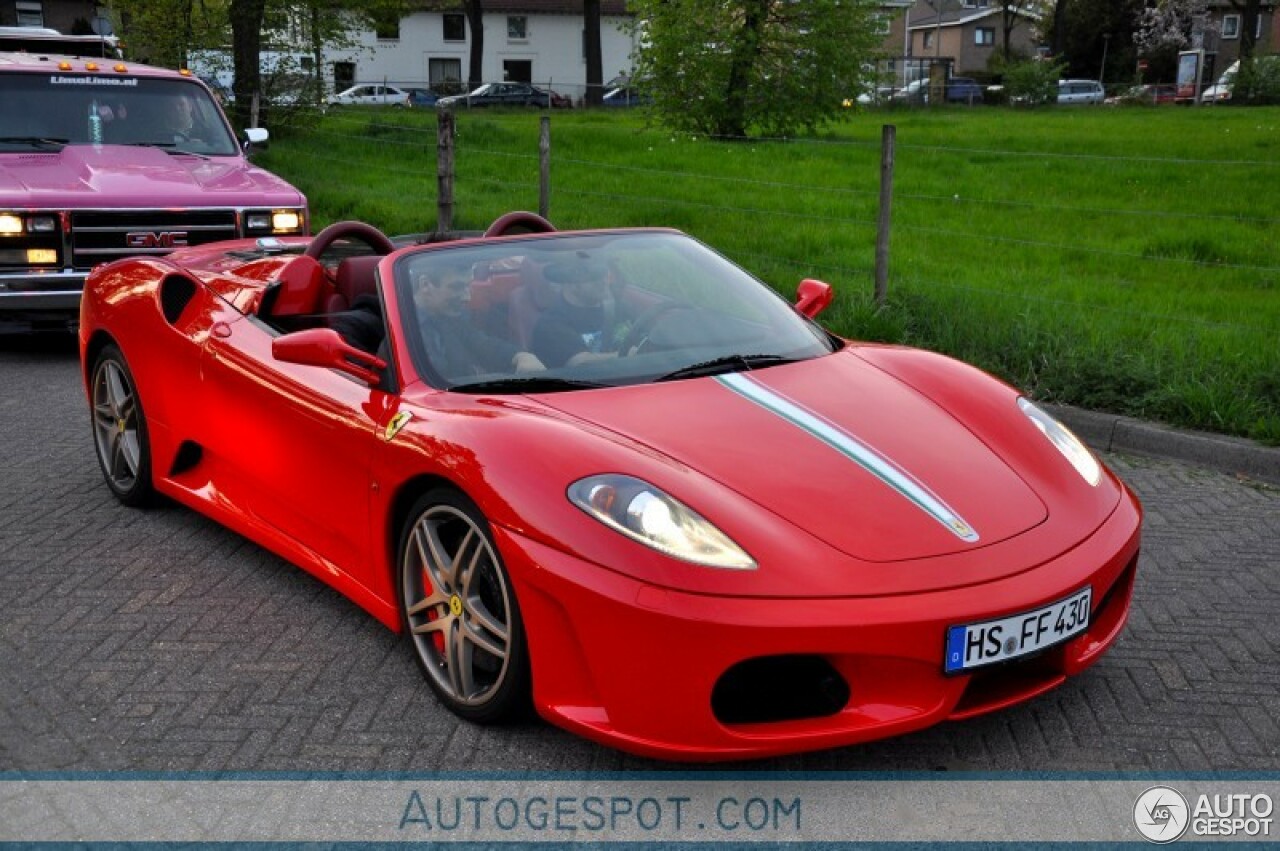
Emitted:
<point x="583" y="324"/>
<point x="455" y="347"/>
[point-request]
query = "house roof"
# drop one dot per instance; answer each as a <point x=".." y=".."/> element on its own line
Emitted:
<point x="960" y="17"/>
<point x="528" y="7"/>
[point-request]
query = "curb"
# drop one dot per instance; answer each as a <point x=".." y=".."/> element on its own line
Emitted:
<point x="1116" y="433"/>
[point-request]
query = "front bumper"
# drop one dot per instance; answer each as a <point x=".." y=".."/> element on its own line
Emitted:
<point x="634" y="666"/>
<point x="41" y="291"/>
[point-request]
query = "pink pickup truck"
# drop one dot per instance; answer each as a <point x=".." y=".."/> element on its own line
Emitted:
<point x="102" y="159"/>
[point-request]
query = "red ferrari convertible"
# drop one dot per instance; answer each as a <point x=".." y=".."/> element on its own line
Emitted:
<point x="612" y="475"/>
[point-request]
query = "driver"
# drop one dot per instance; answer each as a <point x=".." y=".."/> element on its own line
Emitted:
<point x="582" y="325"/>
<point x="455" y="347"/>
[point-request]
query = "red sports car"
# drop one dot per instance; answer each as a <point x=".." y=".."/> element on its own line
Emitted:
<point x="611" y="474"/>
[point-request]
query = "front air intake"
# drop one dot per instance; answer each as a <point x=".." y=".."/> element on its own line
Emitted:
<point x="778" y="688"/>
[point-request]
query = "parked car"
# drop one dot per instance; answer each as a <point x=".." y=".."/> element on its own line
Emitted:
<point x="421" y="97"/>
<point x="1151" y="94"/>
<point x="1080" y="92"/>
<point x="507" y="94"/>
<point x="594" y="536"/>
<point x="371" y="94"/>
<point x="98" y="164"/>
<point x="917" y="91"/>
<point x="963" y="90"/>
<point x="625" y="96"/>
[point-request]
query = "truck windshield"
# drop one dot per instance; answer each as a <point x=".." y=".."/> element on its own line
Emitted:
<point x="77" y="109"/>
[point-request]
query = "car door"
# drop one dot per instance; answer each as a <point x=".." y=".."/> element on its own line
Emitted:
<point x="296" y="442"/>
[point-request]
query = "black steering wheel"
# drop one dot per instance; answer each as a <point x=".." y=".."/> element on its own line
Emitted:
<point x="359" y="231"/>
<point x="638" y="335"/>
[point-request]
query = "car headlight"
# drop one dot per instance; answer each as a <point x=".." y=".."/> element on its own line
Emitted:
<point x="644" y="513"/>
<point x="1071" y="447"/>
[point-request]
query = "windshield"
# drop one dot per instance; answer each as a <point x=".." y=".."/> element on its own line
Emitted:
<point x="79" y="109"/>
<point x="573" y="311"/>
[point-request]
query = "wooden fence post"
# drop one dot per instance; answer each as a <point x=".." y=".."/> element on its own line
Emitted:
<point x="444" y="170"/>
<point x="544" y="166"/>
<point x="887" y="137"/>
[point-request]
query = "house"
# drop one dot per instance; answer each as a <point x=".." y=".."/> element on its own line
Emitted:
<point x="65" y="16"/>
<point x="1226" y="30"/>
<point x="531" y="41"/>
<point x="968" y="32"/>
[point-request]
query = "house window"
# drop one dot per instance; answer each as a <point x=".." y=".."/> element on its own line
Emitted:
<point x="445" y="75"/>
<point x="975" y="4"/>
<point x="517" y="70"/>
<point x="517" y="28"/>
<point x="30" y="13"/>
<point x="928" y="39"/>
<point x="984" y="36"/>
<point x="1230" y="26"/>
<point x="455" y="26"/>
<point x="387" y="29"/>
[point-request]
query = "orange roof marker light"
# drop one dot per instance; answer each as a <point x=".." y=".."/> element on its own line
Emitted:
<point x="119" y="68"/>
<point x="64" y="65"/>
<point x="91" y="66"/>
<point x="186" y="72"/>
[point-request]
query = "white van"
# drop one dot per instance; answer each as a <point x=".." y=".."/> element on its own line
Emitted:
<point x="1080" y="91"/>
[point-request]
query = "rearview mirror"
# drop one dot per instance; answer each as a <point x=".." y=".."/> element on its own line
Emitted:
<point x="323" y="347"/>
<point x="813" y="297"/>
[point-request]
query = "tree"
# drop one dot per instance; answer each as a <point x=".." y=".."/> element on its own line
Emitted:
<point x="475" y="23"/>
<point x="246" y="49"/>
<point x="1171" y="24"/>
<point x="728" y="67"/>
<point x="1010" y="12"/>
<point x="164" y="32"/>
<point x="595" y="62"/>
<point x="1249" y="11"/>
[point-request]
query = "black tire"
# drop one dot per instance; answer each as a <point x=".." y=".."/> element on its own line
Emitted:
<point x="120" y="429"/>
<point x="459" y="610"/>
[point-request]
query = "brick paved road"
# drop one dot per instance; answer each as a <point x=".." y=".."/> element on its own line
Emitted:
<point x="159" y="641"/>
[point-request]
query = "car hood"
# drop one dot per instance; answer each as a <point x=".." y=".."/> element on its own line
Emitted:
<point x="81" y="176"/>
<point x="837" y="447"/>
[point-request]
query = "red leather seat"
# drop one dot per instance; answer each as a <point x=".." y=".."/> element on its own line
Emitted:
<point x="355" y="276"/>
<point x="534" y="295"/>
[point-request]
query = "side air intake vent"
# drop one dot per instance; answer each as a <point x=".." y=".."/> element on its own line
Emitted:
<point x="175" y="294"/>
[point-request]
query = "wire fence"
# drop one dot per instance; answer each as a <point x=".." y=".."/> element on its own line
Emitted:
<point x="498" y="168"/>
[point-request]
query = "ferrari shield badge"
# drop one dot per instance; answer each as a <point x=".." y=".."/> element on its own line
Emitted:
<point x="397" y="423"/>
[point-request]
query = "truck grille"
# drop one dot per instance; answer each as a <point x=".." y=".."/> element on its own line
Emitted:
<point x="99" y="236"/>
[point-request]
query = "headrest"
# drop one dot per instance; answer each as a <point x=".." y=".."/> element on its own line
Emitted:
<point x="356" y="276"/>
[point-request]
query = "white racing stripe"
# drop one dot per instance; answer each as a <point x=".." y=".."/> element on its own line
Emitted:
<point x="852" y="448"/>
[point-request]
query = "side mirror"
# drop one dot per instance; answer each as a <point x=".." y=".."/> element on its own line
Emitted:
<point x="323" y="347"/>
<point x="255" y="137"/>
<point x="813" y="297"/>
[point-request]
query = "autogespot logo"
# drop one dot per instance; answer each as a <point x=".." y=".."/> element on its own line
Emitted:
<point x="1161" y="814"/>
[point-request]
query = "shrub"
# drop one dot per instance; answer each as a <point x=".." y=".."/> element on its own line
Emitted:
<point x="1032" y="83"/>
<point x="1258" y="82"/>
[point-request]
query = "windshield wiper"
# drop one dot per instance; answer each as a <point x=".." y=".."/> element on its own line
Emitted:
<point x="167" y="147"/>
<point x="41" y="141"/>
<point x="727" y="363"/>
<point x="527" y="384"/>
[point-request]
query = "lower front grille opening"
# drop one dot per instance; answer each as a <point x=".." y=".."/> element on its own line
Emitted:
<point x="779" y="688"/>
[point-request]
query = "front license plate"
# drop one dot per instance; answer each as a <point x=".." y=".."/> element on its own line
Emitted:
<point x="977" y="644"/>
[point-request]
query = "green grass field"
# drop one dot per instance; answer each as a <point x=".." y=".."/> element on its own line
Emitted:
<point x="1119" y="259"/>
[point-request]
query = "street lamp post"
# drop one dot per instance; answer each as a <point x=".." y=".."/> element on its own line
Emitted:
<point x="1102" y="72"/>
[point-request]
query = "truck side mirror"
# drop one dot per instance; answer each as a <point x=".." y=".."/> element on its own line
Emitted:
<point x="255" y="137"/>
